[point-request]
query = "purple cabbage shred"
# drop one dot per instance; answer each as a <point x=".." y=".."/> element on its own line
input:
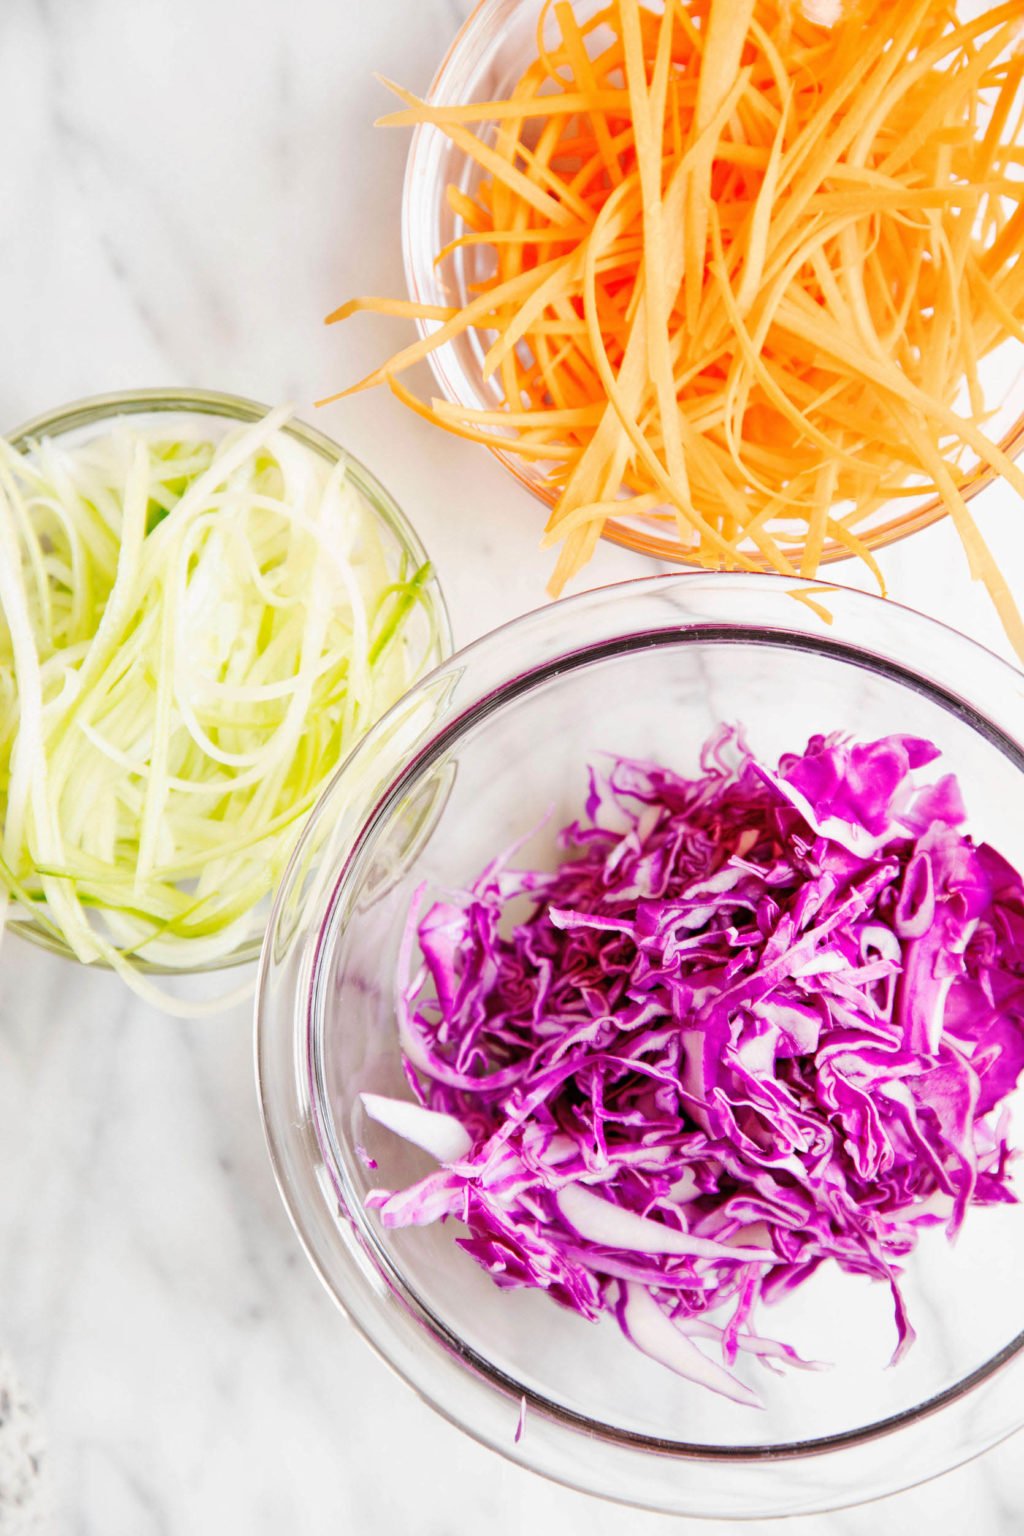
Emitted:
<point x="754" y="1021"/>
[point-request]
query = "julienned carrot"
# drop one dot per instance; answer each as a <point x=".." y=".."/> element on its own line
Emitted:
<point x="744" y="269"/>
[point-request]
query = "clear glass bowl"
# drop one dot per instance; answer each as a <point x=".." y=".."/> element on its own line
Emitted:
<point x="429" y="632"/>
<point x="468" y="761"/>
<point x="487" y="57"/>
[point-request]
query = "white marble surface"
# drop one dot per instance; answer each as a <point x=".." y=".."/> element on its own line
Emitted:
<point x="187" y="187"/>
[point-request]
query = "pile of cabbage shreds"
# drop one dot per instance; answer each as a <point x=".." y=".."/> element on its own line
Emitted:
<point x="755" y="1021"/>
<point x="193" y="633"/>
<point x="745" y="265"/>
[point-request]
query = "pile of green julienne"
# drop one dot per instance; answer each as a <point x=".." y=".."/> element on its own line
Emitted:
<point x="193" y="633"/>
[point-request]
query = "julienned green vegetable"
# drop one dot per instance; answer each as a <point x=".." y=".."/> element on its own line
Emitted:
<point x="193" y="635"/>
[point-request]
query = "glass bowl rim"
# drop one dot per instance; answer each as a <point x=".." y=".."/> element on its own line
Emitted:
<point x="439" y="1334"/>
<point x="96" y="410"/>
<point x="421" y="282"/>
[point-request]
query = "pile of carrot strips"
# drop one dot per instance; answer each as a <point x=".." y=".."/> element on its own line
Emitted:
<point x="739" y="270"/>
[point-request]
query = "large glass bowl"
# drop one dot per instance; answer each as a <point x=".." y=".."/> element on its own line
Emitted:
<point x="467" y="762"/>
<point x="428" y="634"/>
<point x="487" y="57"/>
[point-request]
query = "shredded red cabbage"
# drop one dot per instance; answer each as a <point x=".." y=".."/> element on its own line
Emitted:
<point x="755" y="1020"/>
